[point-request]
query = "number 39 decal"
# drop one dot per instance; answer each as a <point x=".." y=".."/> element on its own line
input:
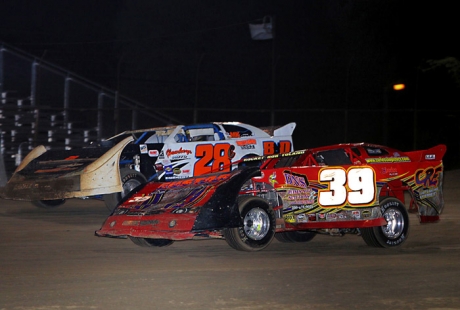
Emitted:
<point x="355" y="186"/>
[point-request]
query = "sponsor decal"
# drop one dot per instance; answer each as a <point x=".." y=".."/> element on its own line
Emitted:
<point x="312" y="217"/>
<point x="143" y="148"/>
<point x="389" y="170"/>
<point x="234" y="134"/>
<point x="428" y="177"/>
<point x="246" y="142"/>
<point x="271" y="147"/>
<point x="430" y="156"/>
<point x="153" y="153"/>
<point x="168" y="170"/>
<point x="180" y="152"/>
<point x="255" y="158"/>
<point x="178" y="157"/>
<point x="290" y="218"/>
<point x="301" y="207"/>
<point x="272" y="179"/>
<point x="177" y="171"/>
<point x="366" y="213"/>
<point x="388" y="160"/>
<point x="302" y="218"/>
<point x="356" y="214"/>
<point x="302" y="196"/>
<point x="248" y="147"/>
<point x="428" y="193"/>
<point x="294" y="179"/>
<point x="331" y="216"/>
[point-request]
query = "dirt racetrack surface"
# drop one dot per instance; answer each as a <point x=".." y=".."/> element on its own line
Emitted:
<point x="50" y="259"/>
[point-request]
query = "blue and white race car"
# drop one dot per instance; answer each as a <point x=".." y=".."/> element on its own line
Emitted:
<point x="193" y="150"/>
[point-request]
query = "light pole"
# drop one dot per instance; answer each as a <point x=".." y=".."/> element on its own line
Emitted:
<point x="386" y="112"/>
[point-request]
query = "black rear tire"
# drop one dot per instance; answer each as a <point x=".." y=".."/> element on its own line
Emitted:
<point x="395" y="232"/>
<point x="130" y="179"/>
<point x="258" y="228"/>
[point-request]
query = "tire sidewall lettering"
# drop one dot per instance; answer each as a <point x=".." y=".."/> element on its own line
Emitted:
<point x="128" y="177"/>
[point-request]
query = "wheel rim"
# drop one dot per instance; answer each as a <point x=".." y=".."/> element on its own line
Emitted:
<point x="256" y="223"/>
<point x="395" y="223"/>
<point x="129" y="186"/>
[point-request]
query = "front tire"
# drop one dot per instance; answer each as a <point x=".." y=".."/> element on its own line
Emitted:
<point x="130" y="179"/>
<point x="397" y="228"/>
<point x="148" y="242"/>
<point x="258" y="228"/>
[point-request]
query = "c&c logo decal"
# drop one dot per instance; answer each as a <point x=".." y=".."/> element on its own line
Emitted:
<point x="428" y="177"/>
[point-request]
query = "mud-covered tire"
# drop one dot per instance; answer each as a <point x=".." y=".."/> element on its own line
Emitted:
<point x="147" y="242"/>
<point x="395" y="232"/>
<point x="130" y="179"/>
<point x="48" y="204"/>
<point x="258" y="228"/>
<point x="295" y="236"/>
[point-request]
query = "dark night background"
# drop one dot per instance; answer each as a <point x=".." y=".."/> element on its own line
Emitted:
<point x="330" y="58"/>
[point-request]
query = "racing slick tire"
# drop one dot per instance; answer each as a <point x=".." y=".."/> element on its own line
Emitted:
<point x="48" y="204"/>
<point x="295" y="236"/>
<point x="130" y="179"/>
<point x="258" y="228"/>
<point x="148" y="242"/>
<point x="397" y="228"/>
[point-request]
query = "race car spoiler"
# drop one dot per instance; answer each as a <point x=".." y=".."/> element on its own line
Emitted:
<point x="50" y="175"/>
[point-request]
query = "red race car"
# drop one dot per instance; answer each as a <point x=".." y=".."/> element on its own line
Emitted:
<point x="354" y="188"/>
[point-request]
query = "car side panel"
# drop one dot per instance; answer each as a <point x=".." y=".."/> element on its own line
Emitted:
<point x="182" y="160"/>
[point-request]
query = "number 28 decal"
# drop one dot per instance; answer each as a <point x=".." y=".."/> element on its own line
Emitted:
<point x="355" y="187"/>
<point x="213" y="158"/>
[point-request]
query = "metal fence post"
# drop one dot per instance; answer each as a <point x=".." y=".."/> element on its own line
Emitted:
<point x="1" y="69"/>
<point x="33" y="83"/>
<point x="66" y="99"/>
<point x="100" y="102"/>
